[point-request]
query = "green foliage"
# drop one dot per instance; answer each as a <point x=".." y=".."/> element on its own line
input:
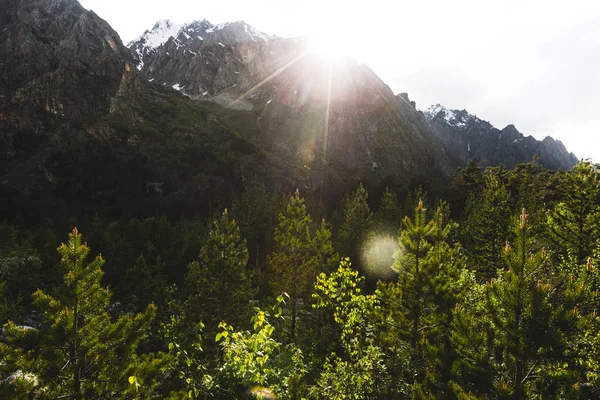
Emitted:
<point x="219" y="285"/>
<point x="409" y="264"/>
<point x="432" y="280"/>
<point x="299" y="255"/>
<point x="575" y="222"/>
<point x="520" y="327"/>
<point x="528" y="327"/>
<point x="389" y="216"/>
<point x="254" y="359"/>
<point x="78" y="350"/>
<point x="257" y="210"/>
<point x="486" y="226"/>
<point x="360" y="371"/>
<point x="358" y="220"/>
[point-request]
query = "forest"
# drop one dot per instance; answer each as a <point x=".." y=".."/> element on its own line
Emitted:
<point x="486" y="288"/>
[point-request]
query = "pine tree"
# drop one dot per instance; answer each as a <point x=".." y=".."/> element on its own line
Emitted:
<point x="525" y="320"/>
<point x="575" y="222"/>
<point x="327" y="257"/>
<point x="409" y="264"/>
<point x="257" y="211"/>
<point x="78" y="350"/>
<point x="486" y="226"/>
<point x="144" y="282"/>
<point x="389" y="216"/>
<point x="432" y="280"/>
<point x="218" y="284"/>
<point x="356" y="226"/>
<point x="469" y="179"/>
<point x="446" y="282"/>
<point x="298" y="257"/>
<point x="531" y="186"/>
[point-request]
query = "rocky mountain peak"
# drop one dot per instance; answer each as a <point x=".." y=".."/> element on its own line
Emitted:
<point x="151" y="39"/>
<point x="167" y="37"/>
<point x="455" y="118"/>
<point x="466" y="136"/>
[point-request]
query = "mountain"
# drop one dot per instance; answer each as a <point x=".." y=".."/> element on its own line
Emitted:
<point x="81" y="131"/>
<point x="465" y="136"/>
<point x="277" y="92"/>
<point x="182" y="118"/>
<point x="336" y="120"/>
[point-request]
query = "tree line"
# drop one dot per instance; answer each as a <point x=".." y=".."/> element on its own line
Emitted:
<point x="491" y="293"/>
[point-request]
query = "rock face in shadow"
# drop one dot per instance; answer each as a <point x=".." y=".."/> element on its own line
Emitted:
<point x="82" y="131"/>
<point x="333" y="118"/>
<point x="465" y="136"/>
<point x="177" y="122"/>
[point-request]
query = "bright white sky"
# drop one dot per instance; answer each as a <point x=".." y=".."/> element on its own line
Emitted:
<point x="532" y="63"/>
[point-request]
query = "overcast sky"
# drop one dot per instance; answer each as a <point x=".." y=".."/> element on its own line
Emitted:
<point x="532" y="63"/>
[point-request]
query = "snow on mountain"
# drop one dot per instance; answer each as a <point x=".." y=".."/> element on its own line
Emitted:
<point x="453" y="117"/>
<point x="198" y="30"/>
<point x="150" y="40"/>
<point x="160" y="33"/>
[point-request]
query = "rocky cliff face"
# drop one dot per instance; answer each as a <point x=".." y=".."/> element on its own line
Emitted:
<point x="87" y="124"/>
<point x="465" y="136"/>
<point x="336" y="120"/>
<point x="58" y="60"/>
<point x="82" y="131"/>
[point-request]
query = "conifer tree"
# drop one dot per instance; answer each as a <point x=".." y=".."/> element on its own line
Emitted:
<point x="575" y="222"/>
<point x="469" y="179"/>
<point x="389" y="216"/>
<point x="532" y="187"/>
<point x="78" y="350"/>
<point x="432" y="280"/>
<point x="218" y="284"/>
<point x="144" y="282"/>
<point x="523" y="324"/>
<point x="257" y="211"/>
<point x="327" y="257"/>
<point x="486" y="226"/>
<point x="445" y="282"/>
<point x="409" y="264"/>
<point x="298" y="257"/>
<point x="358" y="220"/>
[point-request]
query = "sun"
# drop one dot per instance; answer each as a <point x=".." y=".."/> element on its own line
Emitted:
<point x="335" y="39"/>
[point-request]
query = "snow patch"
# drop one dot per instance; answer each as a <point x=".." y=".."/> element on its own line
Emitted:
<point x="221" y="44"/>
<point x="178" y="87"/>
<point x="160" y="33"/>
<point x="451" y="117"/>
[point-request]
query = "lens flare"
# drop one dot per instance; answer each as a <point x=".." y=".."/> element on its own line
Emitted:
<point x="261" y="393"/>
<point x="378" y="257"/>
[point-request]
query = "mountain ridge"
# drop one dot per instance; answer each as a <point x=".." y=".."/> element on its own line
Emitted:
<point x="460" y="130"/>
<point x="201" y="71"/>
